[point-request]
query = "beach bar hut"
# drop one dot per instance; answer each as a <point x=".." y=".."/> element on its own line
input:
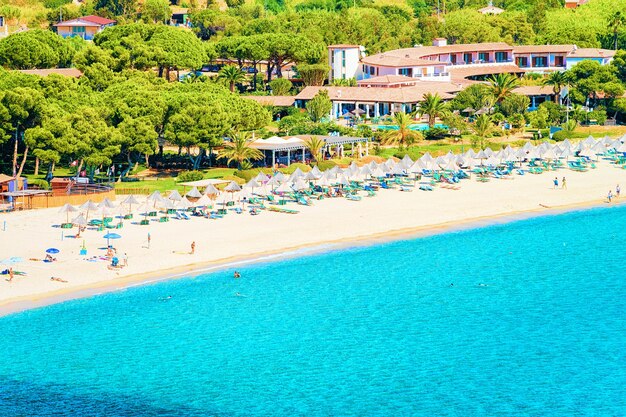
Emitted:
<point x="276" y="146"/>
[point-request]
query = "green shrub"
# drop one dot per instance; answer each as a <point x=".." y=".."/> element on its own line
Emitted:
<point x="435" y="133"/>
<point x="413" y="153"/>
<point x="291" y="168"/>
<point x="187" y="176"/>
<point x="248" y="174"/>
<point x="561" y="135"/>
<point x="41" y="184"/>
<point x="237" y="179"/>
<point x="324" y="165"/>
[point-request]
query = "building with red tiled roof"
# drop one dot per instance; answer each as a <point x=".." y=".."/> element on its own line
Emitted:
<point x="85" y="27"/>
<point x="443" y="62"/>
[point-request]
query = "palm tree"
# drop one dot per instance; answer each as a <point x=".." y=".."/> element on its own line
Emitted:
<point x="616" y="21"/>
<point x="502" y="85"/>
<point x="239" y="149"/>
<point x="482" y="128"/>
<point x="315" y="146"/>
<point x="557" y="80"/>
<point x="232" y="75"/>
<point x="404" y="135"/>
<point x="433" y="106"/>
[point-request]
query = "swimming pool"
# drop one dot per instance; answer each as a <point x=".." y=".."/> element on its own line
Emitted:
<point x="525" y="318"/>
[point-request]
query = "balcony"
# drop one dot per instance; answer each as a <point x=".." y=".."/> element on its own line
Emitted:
<point x="479" y="62"/>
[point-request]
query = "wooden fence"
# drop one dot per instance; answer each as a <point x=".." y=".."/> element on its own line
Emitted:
<point x="135" y="191"/>
<point x="46" y="201"/>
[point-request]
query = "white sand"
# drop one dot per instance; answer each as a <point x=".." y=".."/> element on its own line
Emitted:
<point x="29" y="233"/>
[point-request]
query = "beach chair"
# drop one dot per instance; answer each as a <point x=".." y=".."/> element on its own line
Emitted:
<point x="183" y="215"/>
<point x="425" y="187"/>
<point x="144" y="222"/>
<point x="353" y="197"/>
<point x="164" y="219"/>
<point x="405" y="188"/>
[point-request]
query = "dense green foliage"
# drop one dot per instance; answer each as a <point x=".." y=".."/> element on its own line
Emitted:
<point x="58" y="119"/>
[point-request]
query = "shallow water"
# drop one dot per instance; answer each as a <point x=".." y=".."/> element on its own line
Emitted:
<point x="534" y="324"/>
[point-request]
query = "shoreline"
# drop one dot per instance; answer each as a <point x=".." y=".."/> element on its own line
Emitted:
<point x="29" y="302"/>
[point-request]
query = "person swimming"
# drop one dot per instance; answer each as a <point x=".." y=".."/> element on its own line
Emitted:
<point x="237" y="274"/>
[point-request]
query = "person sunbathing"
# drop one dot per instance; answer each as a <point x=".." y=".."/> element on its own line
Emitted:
<point x="49" y="258"/>
<point x="57" y="279"/>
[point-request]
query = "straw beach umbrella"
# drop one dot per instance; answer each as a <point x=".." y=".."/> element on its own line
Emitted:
<point x="193" y="193"/>
<point x="129" y="201"/>
<point x="106" y="203"/>
<point x="88" y="205"/>
<point x="67" y="209"/>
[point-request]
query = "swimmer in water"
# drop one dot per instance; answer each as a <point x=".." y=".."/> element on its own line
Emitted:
<point x="237" y="274"/>
<point x="169" y="297"/>
<point x="238" y="294"/>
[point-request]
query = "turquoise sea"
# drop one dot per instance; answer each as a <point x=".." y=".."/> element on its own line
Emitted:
<point x="521" y="319"/>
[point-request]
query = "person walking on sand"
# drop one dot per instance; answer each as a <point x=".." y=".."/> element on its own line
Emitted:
<point x="556" y="183"/>
<point x="563" y="184"/>
<point x="125" y="259"/>
<point x="617" y="191"/>
<point x="193" y="247"/>
<point x="609" y="196"/>
<point x="148" y="240"/>
<point x="11" y="274"/>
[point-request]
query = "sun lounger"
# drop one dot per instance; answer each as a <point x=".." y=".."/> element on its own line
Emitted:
<point x="425" y="187"/>
<point x="353" y="197"/>
<point x="164" y="219"/>
<point x="405" y="188"/>
<point x="144" y="222"/>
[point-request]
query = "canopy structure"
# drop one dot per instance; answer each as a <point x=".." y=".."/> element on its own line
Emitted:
<point x="276" y="145"/>
<point x="203" y="183"/>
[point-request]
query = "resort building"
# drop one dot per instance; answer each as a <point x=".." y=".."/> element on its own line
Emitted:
<point x="377" y="101"/>
<point x="344" y="61"/>
<point x="4" y="27"/>
<point x="491" y="9"/>
<point x="85" y="27"/>
<point x="443" y="62"/>
<point x="572" y="4"/>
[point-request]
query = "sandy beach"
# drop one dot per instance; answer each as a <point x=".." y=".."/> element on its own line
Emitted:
<point x="331" y="221"/>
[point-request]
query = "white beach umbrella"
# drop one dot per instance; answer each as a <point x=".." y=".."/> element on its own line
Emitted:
<point x="183" y="203"/>
<point x="203" y="201"/>
<point x="232" y="187"/>
<point x="106" y="203"/>
<point x="67" y="209"/>
<point x="88" y="206"/>
<point x="174" y="196"/>
<point x="284" y="188"/>
<point x="252" y="184"/>
<point x="378" y="173"/>
<point x="261" y="177"/>
<point x="211" y="190"/>
<point x="193" y="193"/>
<point x="154" y="196"/>
<point x="426" y="158"/>
<point x="300" y="185"/>
<point x="316" y="171"/>
<point x="80" y="220"/>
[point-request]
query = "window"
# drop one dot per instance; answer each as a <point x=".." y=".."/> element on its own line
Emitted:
<point x="78" y="30"/>
<point x="453" y="59"/>
<point x="540" y="61"/>
<point x="372" y="70"/>
<point x="343" y="59"/>
<point x="522" y="62"/>
<point x="408" y="72"/>
<point x="467" y="58"/>
<point x="483" y="56"/>
<point x="558" y="61"/>
<point x="502" y="57"/>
